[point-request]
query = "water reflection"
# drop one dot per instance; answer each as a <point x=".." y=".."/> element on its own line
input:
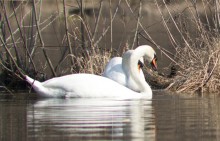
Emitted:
<point x="166" y="117"/>
<point x="187" y="118"/>
<point x="102" y="119"/>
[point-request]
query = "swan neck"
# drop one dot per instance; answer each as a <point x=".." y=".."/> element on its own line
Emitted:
<point x="136" y="55"/>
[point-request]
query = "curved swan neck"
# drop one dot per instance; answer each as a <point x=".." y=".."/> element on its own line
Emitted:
<point x="145" y="51"/>
<point x="134" y="57"/>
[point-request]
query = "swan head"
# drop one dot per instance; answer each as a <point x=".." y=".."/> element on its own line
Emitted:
<point x="149" y="55"/>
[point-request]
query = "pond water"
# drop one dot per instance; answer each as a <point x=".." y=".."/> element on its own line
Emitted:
<point x="165" y="117"/>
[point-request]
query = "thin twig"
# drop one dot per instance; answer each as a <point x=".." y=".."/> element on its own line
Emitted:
<point x="211" y="73"/>
<point x="108" y="27"/>
<point x="22" y="37"/>
<point x="97" y="21"/>
<point x="82" y="24"/>
<point x="186" y="42"/>
<point x="137" y="26"/>
<point x="173" y="41"/>
<point x="10" y="31"/>
<point x="41" y="41"/>
<point x="66" y="29"/>
<point x="111" y="21"/>
<point x="11" y="57"/>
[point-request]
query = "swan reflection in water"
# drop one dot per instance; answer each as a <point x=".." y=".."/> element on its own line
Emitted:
<point x="91" y="118"/>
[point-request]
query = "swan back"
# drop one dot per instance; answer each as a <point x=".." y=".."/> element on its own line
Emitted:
<point x="114" y="71"/>
<point x="112" y="64"/>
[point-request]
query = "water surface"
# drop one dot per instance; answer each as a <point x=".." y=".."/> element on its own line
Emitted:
<point x="166" y="117"/>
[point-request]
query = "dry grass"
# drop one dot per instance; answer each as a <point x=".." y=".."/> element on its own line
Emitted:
<point x="198" y="57"/>
<point x="196" y="48"/>
<point x="200" y="72"/>
<point x="80" y="50"/>
<point x="94" y="62"/>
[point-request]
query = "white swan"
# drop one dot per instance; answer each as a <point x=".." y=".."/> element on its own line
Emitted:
<point x="116" y="69"/>
<point x="89" y="85"/>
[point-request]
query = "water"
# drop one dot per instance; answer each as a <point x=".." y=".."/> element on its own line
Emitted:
<point x="166" y="117"/>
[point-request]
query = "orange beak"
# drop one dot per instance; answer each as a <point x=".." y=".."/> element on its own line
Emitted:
<point x="154" y="64"/>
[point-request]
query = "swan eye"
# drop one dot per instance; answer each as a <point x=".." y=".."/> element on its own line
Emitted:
<point x="140" y="64"/>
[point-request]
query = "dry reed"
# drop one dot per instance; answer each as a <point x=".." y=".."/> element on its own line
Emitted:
<point x="81" y="41"/>
<point x="198" y="57"/>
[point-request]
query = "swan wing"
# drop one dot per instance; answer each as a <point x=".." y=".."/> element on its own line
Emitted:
<point x="114" y="71"/>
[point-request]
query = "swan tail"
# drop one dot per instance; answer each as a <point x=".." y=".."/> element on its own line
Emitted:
<point x="38" y="87"/>
<point x="29" y="80"/>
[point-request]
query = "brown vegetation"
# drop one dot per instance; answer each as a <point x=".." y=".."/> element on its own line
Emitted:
<point x="86" y="40"/>
<point x="197" y="59"/>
